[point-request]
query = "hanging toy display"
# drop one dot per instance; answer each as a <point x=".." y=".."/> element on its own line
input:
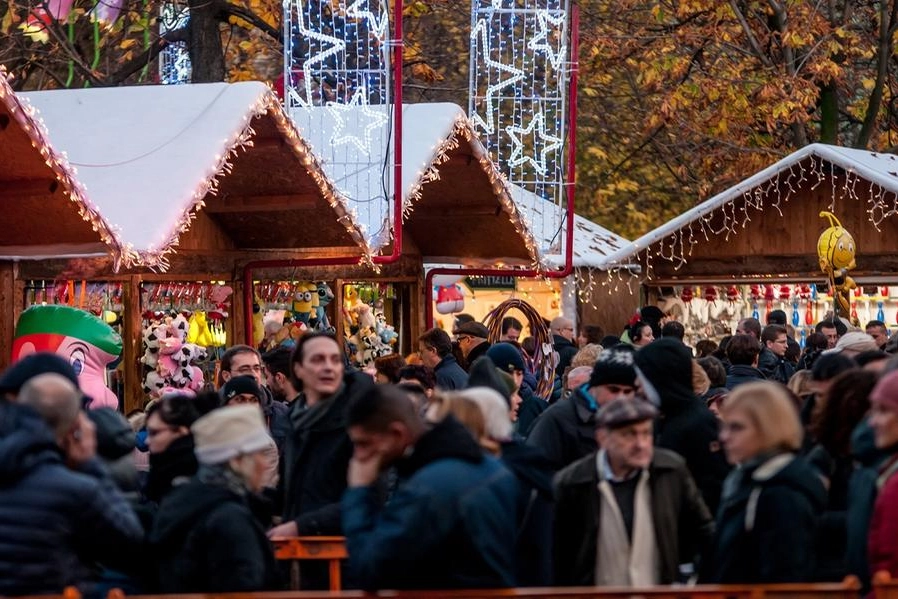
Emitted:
<point x="85" y="341"/>
<point x="367" y="331"/>
<point x="450" y="299"/>
<point x="836" y="251"/>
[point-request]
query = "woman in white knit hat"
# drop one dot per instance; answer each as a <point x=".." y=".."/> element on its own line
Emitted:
<point x="205" y="537"/>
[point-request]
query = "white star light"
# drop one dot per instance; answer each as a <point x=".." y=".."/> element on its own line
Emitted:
<point x="375" y="119"/>
<point x="375" y="25"/>
<point x="550" y="143"/>
<point x="540" y="42"/>
<point x="337" y="46"/>
<point x="479" y="35"/>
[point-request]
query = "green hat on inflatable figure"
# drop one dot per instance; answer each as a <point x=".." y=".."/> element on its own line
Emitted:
<point x="87" y="342"/>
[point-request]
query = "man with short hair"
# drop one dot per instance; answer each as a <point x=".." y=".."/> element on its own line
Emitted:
<point x="622" y="512"/>
<point x="772" y="362"/>
<point x="742" y="354"/>
<point x="511" y="329"/>
<point x="318" y="450"/>
<point x="673" y="329"/>
<point x="451" y="521"/>
<point x="238" y="360"/>
<point x="435" y="349"/>
<point x="563" y="342"/>
<point x="880" y="333"/>
<point x="831" y="329"/>
<point x="60" y="510"/>
<point x="472" y="340"/>
<point x="749" y="326"/>
<point x="278" y="374"/>
<point x="565" y="432"/>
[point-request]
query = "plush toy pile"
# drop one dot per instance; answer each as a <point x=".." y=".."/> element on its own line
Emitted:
<point x="365" y="327"/>
<point x="173" y="348"/>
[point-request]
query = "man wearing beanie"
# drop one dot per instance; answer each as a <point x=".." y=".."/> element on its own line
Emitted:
<point x="205" y="536"/>
<point x="883" y="540"/>
<point x="566" y="431"/>
<point x="622" y="511"/>
<point x="686" y="426"/>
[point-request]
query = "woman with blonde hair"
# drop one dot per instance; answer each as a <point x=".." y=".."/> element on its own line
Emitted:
<point x="772" y="501"/>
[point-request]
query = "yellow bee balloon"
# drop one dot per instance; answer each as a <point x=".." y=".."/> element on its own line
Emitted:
<point x="836" y="251"/>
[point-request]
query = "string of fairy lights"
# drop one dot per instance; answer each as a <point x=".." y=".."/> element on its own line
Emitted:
<point x="174" y="60"/>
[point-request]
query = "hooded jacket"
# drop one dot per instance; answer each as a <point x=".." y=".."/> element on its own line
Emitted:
<point x="686" y="425"/>
<point x="767" y="523"/>
<point x="683" y="526"/>
<point x="567" y="430"/>
<point x="449" y="525"/>
<point x="207" y="540"/>
<point x="54" y="521"/>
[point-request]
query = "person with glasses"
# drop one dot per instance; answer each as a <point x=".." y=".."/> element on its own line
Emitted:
<point x="565" y="432"/>
<point x="172" y="460"/>
<point x="773" y="500"/>
<point x="435" y="349"/>
<point x="472" y="340"/>
<point x="563" y="343"/>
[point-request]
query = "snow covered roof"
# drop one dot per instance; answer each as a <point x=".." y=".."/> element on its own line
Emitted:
<point x="45" y="211"/>
<point x="148" y="158"/>
<point x="456" y="205"/>
<point x="879" y="169"/>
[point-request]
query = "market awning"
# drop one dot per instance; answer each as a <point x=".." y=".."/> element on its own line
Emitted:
<point x="154" y="159"/>
<point x="777" y="210"/>
<point x="45" y="211"/>
<point x="456" y="206"/>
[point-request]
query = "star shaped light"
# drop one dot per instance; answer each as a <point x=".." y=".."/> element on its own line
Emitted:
<point x="377" y="26"/>
<point x="358" y="102"/>
<point x="479" y="35"/>
<point x="336" y="46"/>
<point x="550" y="143"/>
<point x="541" y="43"/>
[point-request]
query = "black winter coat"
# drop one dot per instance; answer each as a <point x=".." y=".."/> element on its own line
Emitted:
<point x="54" y="522"/>
<point x="316" y="458"/>
<point x="683" y="524"/>
<point x="775" y="368"/>
<point x="177" y="464"/>
<point x="567" y="430"/>
<point x="206" y="540"/>
<point x="533" y="544"/>
<point x="767" y="523"/>
<point x="566" y="352"/>
<point x="449" y="375"/>
<point x="739" y="374"/>
<point x="686" y="425"/>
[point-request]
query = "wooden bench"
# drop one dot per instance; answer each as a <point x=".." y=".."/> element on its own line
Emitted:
<point x="296" y="549"/>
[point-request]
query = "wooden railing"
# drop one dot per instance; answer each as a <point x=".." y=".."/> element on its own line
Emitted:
<point x="296" y="549"/>
<point x="884" y="587"/>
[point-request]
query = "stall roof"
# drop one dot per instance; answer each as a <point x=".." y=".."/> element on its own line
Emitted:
<point x="456" y="204"/>
<point x="877" y="168"/>
<point x="151" y="158"/>
<point x="45" y="209"/>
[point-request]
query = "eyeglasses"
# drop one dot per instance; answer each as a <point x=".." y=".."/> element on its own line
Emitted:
<point x="248" y="369"/>
<point x="461" y="338"/>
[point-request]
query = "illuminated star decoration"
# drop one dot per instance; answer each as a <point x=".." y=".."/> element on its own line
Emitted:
<point x="376" y="26"/>
<point x="479" y="35"/>
<point x="550" y="143"/>
<point x="375" y="120"/>
<point x="337" y="46"/>
<point x="541" y="42"/>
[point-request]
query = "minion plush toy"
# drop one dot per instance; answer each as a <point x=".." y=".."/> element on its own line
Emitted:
<point x="836" y="251"/>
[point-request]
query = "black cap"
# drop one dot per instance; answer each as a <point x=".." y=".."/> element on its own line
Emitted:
<point x="33" y="365"/>
<point x="474" y="329"/>
<point x="506" y="357"/>
<point x="239" y="385"/>
<point x="615" y="366"/>
<point x="621" y="412"/>
<point x="115" y="438"/>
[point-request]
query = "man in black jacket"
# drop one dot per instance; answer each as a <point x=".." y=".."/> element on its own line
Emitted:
<point x="59" y="509"/>
<point x="563" y="342"/>
<point x="686" y="425"/>
<point x="742" y="354"/>
<point x="435" y="349"/>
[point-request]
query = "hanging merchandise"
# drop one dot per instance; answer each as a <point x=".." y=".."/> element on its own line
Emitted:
<point x="367" y="311"/>
<point x="284" y="310"/>
<point x="184" y="333"/>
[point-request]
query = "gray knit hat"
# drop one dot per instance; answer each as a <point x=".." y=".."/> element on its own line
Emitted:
<point x="228" y="432"/>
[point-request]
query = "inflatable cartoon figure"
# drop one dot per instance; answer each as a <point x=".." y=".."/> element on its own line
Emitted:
<point x="836" y="251"/>
<point x="87" y="342"/>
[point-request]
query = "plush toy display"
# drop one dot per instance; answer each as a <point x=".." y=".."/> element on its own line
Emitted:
<point x="171" y="357"/>
<point x="836" y="251"/>
<point x="305" y="301"/>
<point x="325" y="296"/>
<point x="450" y="299"/>
<point x="87" y="342"/>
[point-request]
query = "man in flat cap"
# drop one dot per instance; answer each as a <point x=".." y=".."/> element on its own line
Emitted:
<point x="647" y="503"/>
<point x="472" y="340"/>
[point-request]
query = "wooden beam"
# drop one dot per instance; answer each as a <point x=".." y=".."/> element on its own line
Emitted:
<point x="132" y="338"/>
<point x="8" y="312"/>
<point x="264" y="203"/>
<point x="28" y="187"/>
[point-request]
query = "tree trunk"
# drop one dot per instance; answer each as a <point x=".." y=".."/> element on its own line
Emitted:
<point x="829" y="114"/>
<point x="206" y="52"/>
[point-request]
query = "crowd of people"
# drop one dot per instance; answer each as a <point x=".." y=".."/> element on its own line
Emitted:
<point x="751" y="460"/>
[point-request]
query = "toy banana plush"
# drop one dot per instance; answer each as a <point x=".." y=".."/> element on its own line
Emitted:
<point x="836" y="251"/>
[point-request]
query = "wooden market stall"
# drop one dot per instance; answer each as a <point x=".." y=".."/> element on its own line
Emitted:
<point x="197" y="181"/>
<point x="753" y="247"/>
<point x="44" y="210"/>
